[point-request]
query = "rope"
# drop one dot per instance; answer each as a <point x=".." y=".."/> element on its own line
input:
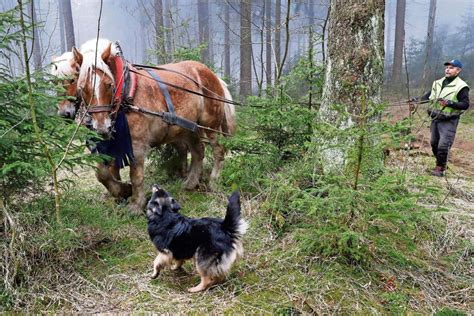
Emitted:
<point x="218" y="98"/>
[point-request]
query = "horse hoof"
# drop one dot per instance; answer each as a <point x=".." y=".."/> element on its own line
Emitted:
<point x="136" y="209"/>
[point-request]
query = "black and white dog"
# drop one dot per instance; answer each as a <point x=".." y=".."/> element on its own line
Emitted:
<point x="213" y="243"/>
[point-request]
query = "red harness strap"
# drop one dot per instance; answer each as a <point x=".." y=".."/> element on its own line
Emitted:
<point x="119" y="82"/>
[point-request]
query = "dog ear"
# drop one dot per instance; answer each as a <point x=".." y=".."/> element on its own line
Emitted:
<point x="174" y="205"/>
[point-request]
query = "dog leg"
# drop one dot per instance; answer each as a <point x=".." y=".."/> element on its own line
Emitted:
<point x="177" y="264"/>
<point x="162" y="260"/>
<point x="206" y="282"/>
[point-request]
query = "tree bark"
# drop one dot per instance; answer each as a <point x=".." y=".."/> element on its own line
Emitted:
<point x="160" y="46"/>
<point x="399" y="42"/>
<point x="354" y="71"/>
<point x="226" y="41"/>
<point x="287" y="43"/>
<point x="277" y="36"/>
<point x="429" y="41"/>
<point x="268" y="39"/>
<point x="203" y="21"/>
<point x="68" y="24"/>
<point x="245" y="48"/>
<point x="168" y="27"/>
<point x="61" y="27"/>
<point x="36" y="39"/>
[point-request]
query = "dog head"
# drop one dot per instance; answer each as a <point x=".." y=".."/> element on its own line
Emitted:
<point x="160" y="202"/>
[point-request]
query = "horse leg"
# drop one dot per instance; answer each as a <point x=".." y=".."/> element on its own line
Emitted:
<point x="218" y="152"/>
<point x="115" y="172"/>
<point x="196" y="147"/>
<point x="138" y="201"/>
<point x="182" y="151"/>
<point x="105" y="175"/>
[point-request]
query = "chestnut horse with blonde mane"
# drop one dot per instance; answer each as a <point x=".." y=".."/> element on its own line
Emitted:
<point x="96" y="85"/>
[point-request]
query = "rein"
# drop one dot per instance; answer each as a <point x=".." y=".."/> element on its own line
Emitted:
<point x="123" y="68"/>
<point x="218" y="98"/>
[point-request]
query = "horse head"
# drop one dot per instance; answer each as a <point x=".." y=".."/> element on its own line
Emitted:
<point x="66" y="69"/>
<point x="96" y="88"/>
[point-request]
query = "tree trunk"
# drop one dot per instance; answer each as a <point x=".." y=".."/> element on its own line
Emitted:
<point x="388" y="37"/>
<point x="61" y="27"/>
<point x="354" y="71"/>
<point x="287" y="42"/>
<point x="245" y="48"/>
<point x="277" y="36"/>
<point x="399" y="43"/>
<point x="429" y="41"/>
<point x="268" y="56"/>
<point x="203" y="21"/>
<point x="160" y="47"/>
<point x="68" y="24"/>
<point x="226" y="41"/>
<point x="36" y="39"/>
<point x="168" y="27"/>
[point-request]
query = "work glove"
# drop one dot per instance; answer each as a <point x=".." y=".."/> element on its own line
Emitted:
<point x="445" y="102"/>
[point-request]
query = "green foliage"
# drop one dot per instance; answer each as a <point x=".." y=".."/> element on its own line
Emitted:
<point x="276" y="131"/>
<point x="23" y="164"/>
<point x="449" y="312"/>
<point x="187" y="53"/>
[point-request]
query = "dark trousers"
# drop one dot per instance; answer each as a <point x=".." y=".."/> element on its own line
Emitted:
<point x="442" y="137"/>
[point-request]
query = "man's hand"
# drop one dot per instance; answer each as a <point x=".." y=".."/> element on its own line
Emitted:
<point x="444" y="102"/>
<point x="411" y="104"/>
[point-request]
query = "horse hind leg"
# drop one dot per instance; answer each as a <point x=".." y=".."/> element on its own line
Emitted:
<point x="196" y="147"/>
<point x="218" y="152"/>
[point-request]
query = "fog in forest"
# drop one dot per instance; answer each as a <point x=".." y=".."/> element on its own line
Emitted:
<point x="132" y="23"/>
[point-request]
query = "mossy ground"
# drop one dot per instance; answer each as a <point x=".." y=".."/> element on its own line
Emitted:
<point x="100" y="258"/>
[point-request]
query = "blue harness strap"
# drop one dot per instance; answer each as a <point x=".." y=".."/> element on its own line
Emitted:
<point x="170" y="117"/>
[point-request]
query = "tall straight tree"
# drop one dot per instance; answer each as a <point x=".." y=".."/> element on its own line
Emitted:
<point x="68" y="24"/>
<point x="36" y="38"/>
<point x="203" y="21"/>
<point x="429" y="40"/>
<point x="227" y="40"/>
<point x="354" y="69"/>
<point x="268" y="41"/>
<point x="388" y="35"/>
<point x="61" y="27"/>
<point x="399" y="42"/>
<point x="277" y="36"/>
<point x="245" y="48"/>
<point x="160" y="47"/>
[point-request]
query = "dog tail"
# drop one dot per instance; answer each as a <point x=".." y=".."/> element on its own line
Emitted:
<point x="233" y="223"/>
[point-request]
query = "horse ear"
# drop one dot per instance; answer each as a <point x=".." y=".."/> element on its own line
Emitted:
<point x="77" y="55"/>
<point x="106" y="54"/>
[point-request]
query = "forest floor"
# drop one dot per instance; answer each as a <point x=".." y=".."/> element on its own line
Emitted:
<point x="111" y="271"/>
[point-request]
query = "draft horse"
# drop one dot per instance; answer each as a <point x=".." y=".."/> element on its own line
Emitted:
<point x="100" y="80"/>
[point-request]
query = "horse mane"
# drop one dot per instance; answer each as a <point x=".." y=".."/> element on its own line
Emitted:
<point x="88" y="51"/>
<point x="61" y="65"/>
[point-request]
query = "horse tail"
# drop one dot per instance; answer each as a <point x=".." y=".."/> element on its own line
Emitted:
<point x="230" y="123"/>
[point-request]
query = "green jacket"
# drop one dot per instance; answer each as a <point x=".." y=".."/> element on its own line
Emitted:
<point x="449" y="92"/>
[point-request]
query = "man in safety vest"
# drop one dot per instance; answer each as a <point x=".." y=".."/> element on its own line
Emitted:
<point x="448" y="99"/>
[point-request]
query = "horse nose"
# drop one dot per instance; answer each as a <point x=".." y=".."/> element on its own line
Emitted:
<point x="104" y="133"/>
<point x="68" y="113"/>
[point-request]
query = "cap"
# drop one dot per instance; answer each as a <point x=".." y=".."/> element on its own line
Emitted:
<point x="454" y="62"/>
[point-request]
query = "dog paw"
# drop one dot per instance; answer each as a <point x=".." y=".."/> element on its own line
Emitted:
<point x="155" y="275"/>
<point x="196" y="289"/>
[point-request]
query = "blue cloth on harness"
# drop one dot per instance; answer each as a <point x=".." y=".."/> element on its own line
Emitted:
<point x="119" y="146"/>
